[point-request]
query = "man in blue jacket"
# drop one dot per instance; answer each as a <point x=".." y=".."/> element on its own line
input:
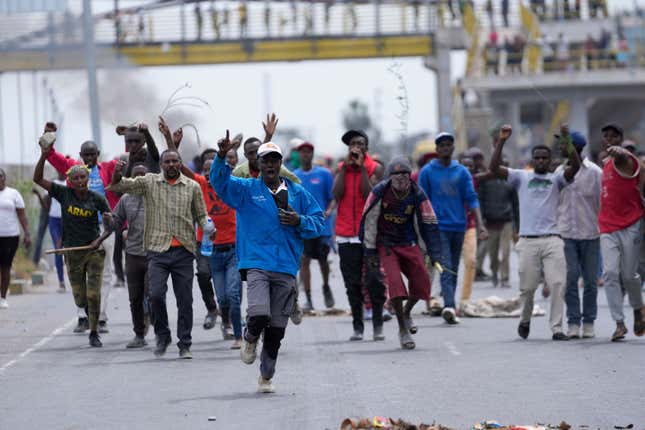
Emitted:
<point x="274" y="217"/>
<point x="449" y="186"/>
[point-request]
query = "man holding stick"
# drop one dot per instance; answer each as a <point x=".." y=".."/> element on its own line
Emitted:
<point x="80" y="215"/>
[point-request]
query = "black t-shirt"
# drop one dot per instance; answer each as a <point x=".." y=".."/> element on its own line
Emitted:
<point x="80" y="217"/>
<point x="396" y="223"/>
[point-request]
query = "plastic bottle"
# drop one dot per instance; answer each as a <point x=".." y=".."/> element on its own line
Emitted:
<point x="207" y="245"/>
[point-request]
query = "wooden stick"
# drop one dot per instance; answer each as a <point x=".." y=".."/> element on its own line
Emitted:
<point x="72" y="249"/>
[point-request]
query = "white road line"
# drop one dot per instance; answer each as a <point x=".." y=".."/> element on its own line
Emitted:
<point x="42" y="342"/>
<point x="452" y="348"/>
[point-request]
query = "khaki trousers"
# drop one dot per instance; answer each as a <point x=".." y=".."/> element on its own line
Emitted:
<point x="537" y="255"/>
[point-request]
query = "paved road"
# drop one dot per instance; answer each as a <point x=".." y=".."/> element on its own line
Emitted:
<point x="50" y="378"/>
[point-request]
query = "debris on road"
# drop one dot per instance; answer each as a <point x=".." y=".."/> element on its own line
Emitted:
<point x="390" y="424"/>
<point x="496" y="307"/>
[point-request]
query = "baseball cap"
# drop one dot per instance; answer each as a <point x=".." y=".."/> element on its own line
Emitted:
<point x="268" y="148"/>
<point x="444" y="136"/>
<point x="349" y="135"/>
<point x="305" y="144"/>
<point x="577" y="139"/>
<point x="613" y="126"/>
<point x="627" y="144"/>
<point x="399" y="165"/>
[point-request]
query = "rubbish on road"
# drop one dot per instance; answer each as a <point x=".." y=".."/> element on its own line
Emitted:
<point x="386" y="423"/>
<point x="486" y="425"/>
<point x="496" y="307"/>
<point x="212" y="418"/>
<point x="326" y="312"/>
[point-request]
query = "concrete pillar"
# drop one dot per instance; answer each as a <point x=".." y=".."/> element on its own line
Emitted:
<point x="513" y="112"/>
<point x="444" y="90"/>
<point x="578" y="116"/>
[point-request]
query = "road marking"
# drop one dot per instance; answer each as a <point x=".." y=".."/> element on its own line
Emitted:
<point x="452" y="348"/>
<point x="42" y="342"/>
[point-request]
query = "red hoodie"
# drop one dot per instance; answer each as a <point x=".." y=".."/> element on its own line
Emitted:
<point x="350" y="207"/>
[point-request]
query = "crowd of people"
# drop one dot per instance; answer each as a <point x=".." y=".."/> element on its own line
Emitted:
<point x="256" y="226"/>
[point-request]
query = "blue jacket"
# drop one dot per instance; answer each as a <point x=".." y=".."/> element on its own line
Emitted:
<point x="261" y="241"/>
<point x="449" y="189"/>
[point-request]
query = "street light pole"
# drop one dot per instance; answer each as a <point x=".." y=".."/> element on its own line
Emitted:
<point x="90" y="62"/>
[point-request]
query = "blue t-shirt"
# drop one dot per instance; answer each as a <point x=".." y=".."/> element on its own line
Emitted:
<point x="449" y="189"/>
<point x="319" y="182"/>
<point x="96" y="184"/>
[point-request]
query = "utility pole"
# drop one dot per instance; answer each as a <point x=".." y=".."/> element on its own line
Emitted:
<point x="90" y="62"/>
<point x="21" y="125"/>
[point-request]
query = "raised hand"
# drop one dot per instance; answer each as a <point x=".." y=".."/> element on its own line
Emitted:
<point x="163" y="128"/>
<point x="224" y="145"/>
<point x="505" y="132"/>
<point x="270" y="126"/>
<point x="118" y="168"/>
<point x="121" y="129"/>
<point x="177" y="136"/>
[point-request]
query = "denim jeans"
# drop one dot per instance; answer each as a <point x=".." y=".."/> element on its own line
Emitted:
<point x="582" y="260"/>
<point x="451" y="244"/>
<point x="228" y="285"/>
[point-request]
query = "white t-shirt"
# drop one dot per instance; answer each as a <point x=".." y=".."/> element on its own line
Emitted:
<point x="539" y="196"/>
<point x="54" y="208"/>
<point x="10" y="200"/>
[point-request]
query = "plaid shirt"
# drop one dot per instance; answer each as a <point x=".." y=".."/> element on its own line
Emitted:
<point x="171" y="210"/>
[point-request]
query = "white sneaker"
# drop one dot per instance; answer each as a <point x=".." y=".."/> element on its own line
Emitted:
<point x="588" y="331"/>
<point x="4" y="304"/>
<point x="574" y="331"/>
<point x="265" y="386"/>
<point x="450" y="316"/>
<point x="248" y="352"/>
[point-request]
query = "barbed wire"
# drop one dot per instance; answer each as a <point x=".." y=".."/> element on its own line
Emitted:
<point x="402" y="97"/>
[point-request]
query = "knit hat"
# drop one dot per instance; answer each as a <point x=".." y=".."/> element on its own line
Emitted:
<point x="399" y="165"/>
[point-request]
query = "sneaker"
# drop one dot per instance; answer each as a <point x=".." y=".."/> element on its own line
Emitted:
<point x="61" y="287"/>
<point x="621" y="331"/>
<point x="265" y="386"/>
<point x="308" y="307"/>
<point x="137" y="342"/>
<point x="95" y="340"/>
<point x="367" y="314"/>
<point x="82" y="326"/>
<point x="296" y="314"/>
<point x="559" y="336"/>
<point x="406" y="340"/>
<point x="639" y="322"/>
<point x="387" y="316"/>
<point x="248" y="351"/>
<point x="574" y="331"/>
<point x="435" y="307"/>
<point x="588" y="331"/>
<point x="162" y="345"/>
<point x="209" y="320"/>
<point x="185" y="354"/>
<point x="410" y="326"/>
<point x="103" y="327"/>
<point x="4" y="304"/>
<point x="357" y="336"/>
<point x="450" y="316"/>
<point x="378" y="334"/>
<point x="523" y="329"/>
<point x="237" y="344"/>
<point x="329" y="297"/>
<point x="481" y="276"/>
<point x="226" y="332"/>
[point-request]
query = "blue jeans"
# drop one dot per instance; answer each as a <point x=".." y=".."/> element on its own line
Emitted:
<point x="582" y="259"/>
<point x="228" y="285"/>
<point x="56" y="232"/>
<point x="451" y="244"/>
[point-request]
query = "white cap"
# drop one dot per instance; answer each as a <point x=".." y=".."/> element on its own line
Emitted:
<point x="267" y="148"/>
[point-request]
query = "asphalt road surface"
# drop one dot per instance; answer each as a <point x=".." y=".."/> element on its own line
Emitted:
<point x="458" y="375"/>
